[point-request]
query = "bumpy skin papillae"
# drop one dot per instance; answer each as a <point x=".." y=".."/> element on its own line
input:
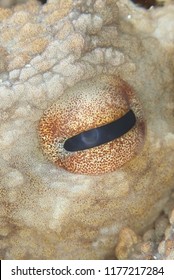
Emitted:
<point x="90" y="104"/>
<point x="47" y="212"/>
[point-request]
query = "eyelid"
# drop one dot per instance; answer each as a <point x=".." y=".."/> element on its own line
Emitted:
<point x="101" y="135"/>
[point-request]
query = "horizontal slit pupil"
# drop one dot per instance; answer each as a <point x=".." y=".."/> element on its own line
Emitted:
<point x="101" y="135"/>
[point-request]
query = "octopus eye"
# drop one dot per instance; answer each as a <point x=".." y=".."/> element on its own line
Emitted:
<point x="101" y="135"/>
<point x="94" y="127"/>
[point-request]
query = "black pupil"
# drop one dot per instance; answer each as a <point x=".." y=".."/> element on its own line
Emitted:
<point x="101" y="135"/>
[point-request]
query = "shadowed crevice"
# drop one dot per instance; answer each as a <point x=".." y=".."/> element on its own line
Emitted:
<point x="43" y="1"/>
<point x="147" y="4"/>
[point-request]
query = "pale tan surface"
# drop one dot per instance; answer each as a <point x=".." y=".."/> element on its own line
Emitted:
<point x="10" y="3"/>
<point x="157" y="243"/>
<point x="49" y="213"/>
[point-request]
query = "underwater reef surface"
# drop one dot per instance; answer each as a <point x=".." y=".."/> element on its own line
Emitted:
<point x="47" y="212"/>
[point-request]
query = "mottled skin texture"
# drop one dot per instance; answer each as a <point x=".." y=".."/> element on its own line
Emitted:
<point x="154" y="244"/>
<point x="88" y="105"/>
<point x="47" y="212"/>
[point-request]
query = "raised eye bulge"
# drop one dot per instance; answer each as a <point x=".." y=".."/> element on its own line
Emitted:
<point x="94" y="127"/>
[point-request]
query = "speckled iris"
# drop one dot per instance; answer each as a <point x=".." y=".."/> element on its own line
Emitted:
<point x="94" y="127"/>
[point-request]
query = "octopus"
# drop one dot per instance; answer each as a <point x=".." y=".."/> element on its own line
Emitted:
<point x="86" y="88"/>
